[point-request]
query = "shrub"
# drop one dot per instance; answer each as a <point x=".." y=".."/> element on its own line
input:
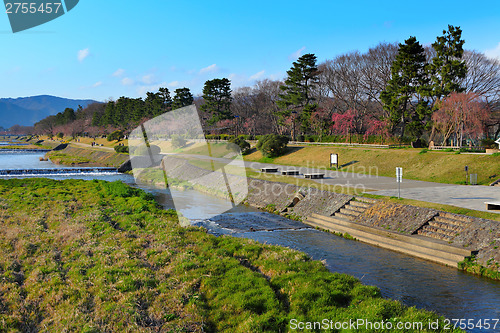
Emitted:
<point x="240" y="142"/>
<point x="121" y="149"/>
<point x="143" y="150"/>
<point x="272" y="145"/>
<point x="178" y="141"/>
<point x="311" y="138"/>
<point x="226" y="137"/>
<point x="116" y="135"/>
<point x="488" y="143"/>
<point x="60" y="135"/>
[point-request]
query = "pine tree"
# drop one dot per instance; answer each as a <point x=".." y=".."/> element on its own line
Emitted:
<point x="298" y="91"/>
<point x="217" y="97"/>
<point x="109" y="114"/>
<point x="405" y="97"/>
<point x="96" y="118"/>
<point x="154" y="104"/>
<point x="166" y="99"/>
<point x="448" y="68"/>
<point x="182" y="98"/>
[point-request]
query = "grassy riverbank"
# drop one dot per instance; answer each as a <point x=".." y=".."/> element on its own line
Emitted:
<point x="97" y="256"/>
<point x="87" y="157"/>
<point x="418" y="164"/>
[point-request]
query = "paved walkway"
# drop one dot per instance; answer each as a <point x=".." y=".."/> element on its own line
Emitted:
<point x="90" y="146"/>
<point x="472" y="197"/>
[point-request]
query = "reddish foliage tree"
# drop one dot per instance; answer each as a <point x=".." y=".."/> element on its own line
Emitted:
<point x="462" y="115"/>
<point x="377" y="127"/>
<point x="345" y="123"/>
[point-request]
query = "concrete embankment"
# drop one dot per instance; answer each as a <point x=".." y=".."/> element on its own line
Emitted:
<point x="425" y="233"/>
<point x="82" y="156"/>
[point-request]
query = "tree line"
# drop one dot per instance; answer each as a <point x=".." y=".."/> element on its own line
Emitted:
<point x="406" y="91"/>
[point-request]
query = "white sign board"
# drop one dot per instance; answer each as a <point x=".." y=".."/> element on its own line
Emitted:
<point x="399" y="175"/>
<point x="334" y="158"/>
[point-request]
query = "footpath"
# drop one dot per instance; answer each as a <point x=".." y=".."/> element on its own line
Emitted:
<point x="471" y="196"/>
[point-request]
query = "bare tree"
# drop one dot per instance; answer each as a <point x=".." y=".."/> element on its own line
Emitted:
<point x="354" y="81"/>
<point x="256" y="107"/>
<point x="483" y="76"/>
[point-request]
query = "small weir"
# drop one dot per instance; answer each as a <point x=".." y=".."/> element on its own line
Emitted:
<point x="23" y="151"/>
<point x="57" y="172"/>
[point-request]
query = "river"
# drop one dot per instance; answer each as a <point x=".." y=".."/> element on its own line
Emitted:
<point x="415" y="282"/>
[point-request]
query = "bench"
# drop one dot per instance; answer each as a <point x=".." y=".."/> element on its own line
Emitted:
<point x="314" y="175"/>
<point x="267" y="170"/>
<point x="290" y="172"/>
<point x="493" y="205"/>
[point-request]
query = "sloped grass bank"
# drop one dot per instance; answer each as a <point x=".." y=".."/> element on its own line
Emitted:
<point x="93" y="256"/>
<point x="418" y="164"/>
<point x="87" y="157"/>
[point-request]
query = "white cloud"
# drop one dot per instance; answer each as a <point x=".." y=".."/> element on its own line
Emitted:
<point x="148" y="79"/>
<point x="82" y="54"/>
<point x="143" y="89"/>
<point x="493" y="53"/>
<point x="97" y="84"/>
<point x="296" y="55"/>
<point x="174" y="84"/>
<point x="126" y="81"/>
<point x="210" y="69"/>
<point x="119" y="72"/>
<point x="258" y="75"/>
<point x="277" y="76"/>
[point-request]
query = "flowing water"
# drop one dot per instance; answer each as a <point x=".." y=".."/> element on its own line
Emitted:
<point x="415" y="282"/>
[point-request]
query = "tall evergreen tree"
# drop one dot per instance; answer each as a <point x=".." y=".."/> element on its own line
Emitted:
<point x="297" y="92"/>
<point x="182" y="98"/>
<point x="166" y="99"/>
<point x="447" y="67"/>
<point x="405" y="97"/>
<point x="217" y="97"/>
<point x="108" y="117"/>
<point x="154" y="104"/>
<point x="96" y="118"/>
<point x="68" y="116"/>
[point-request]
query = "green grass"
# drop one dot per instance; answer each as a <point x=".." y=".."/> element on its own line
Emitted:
<point x="66" y="159"/>
<point x="470" y="265"/>
<point x="434" y="166"/>
<point x="78" y="155"/>
<point x="443" y="207"/>
<point x="93" y="256"/>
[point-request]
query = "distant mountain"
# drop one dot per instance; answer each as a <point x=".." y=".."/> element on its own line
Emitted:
<point x="26" y="111"/>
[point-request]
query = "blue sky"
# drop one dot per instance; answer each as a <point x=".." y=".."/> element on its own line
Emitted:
<point x="109" y="48"/>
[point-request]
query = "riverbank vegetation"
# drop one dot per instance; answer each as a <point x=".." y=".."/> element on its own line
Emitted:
<point x="433" y="166"/>
<point x="94" y="256"/>
<point x="73" y="155"/>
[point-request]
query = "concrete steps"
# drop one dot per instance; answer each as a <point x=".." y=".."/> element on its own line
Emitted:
<point x="444" y="227"/>
<point x="415" y="245"/>
<point x="495" y="183"/>
<point x="353" y="208"/>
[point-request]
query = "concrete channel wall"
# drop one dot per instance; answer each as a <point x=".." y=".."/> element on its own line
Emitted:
<point x="380" y="223"/>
